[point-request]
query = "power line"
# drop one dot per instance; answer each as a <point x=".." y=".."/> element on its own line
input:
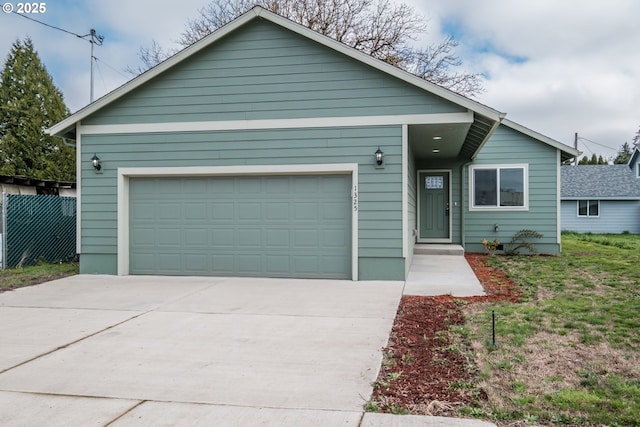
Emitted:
<point x="112" y="69"/>
<point x="94" y="39"/>
<point x="54" y="27"/>
<point x="597" y="143"/>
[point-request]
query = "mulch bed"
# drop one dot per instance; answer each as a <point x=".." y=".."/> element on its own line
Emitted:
<point x="424" y="372"/>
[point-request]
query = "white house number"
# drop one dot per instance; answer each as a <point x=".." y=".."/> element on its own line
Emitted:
<point x="355" y="198"/>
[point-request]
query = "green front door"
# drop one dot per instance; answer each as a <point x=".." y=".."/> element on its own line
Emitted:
<point x="434" y="208"/>
<point x="265" y="226"/>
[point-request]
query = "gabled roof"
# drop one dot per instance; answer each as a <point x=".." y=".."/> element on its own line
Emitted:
<point x="255" y="13"/>
<point x="485" y="119"/>
<point x="615" y="182"/>
<point x="635" y="157"/>
<point x="567" y="152"/>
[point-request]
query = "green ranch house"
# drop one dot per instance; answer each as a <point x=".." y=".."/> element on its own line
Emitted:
<point x="267" y="149"/>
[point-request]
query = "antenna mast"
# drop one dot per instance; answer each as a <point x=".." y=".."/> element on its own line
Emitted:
<point x="96" y="39"/>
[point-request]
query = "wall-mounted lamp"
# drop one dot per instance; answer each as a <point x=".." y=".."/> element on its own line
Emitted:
<point x="96" y="163"/>
<point x="379" y="156"/>
<point x="496" y="228"/>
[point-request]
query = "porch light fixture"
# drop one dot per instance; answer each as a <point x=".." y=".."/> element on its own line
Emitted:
<point x="96" y="163"/>
<point x="379" y="155"/>
<point x="437" y="138"/>
<point x="435" y="150"/>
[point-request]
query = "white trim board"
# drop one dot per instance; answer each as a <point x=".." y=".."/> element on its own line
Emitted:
<point x="405" y="191"/>
<point x="316" y="122"/>
<point x="124" y="174"/>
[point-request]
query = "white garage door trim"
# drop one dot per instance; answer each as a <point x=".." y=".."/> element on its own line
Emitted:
<point x="124" y="174"/>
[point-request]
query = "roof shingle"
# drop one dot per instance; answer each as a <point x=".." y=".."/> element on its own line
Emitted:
<point x="599" y="182"/>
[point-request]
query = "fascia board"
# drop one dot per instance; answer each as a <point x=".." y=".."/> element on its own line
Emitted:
<point x="533" y="134"/>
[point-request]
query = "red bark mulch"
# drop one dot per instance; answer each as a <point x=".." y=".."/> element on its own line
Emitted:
<point x="424" y="371"/>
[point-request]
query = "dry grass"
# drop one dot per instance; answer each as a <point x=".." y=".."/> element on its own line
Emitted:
<point x="567" y="354"/>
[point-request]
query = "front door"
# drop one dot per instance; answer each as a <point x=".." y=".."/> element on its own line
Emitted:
<point x="434" y="211"/>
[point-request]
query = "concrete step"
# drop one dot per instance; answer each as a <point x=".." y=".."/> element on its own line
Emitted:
<point x="438" y="249"/>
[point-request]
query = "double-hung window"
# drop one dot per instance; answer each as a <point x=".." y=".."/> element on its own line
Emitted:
<point x="503" y="187"/>
<point x="589" y="208"/>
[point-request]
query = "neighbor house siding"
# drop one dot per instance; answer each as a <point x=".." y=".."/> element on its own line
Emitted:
<point x="380" y="190"/>
<point x="263" y="71"/>
<point x="615" y="216"/>
<point x="508" y="146"/>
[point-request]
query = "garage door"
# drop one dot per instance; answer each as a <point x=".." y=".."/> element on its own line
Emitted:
<point x="264" y="226"/>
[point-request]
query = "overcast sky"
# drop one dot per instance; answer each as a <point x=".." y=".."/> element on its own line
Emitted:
<point x="557" y="67"/>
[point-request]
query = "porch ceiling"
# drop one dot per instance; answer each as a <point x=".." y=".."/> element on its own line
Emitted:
<point x="449" y="140"/>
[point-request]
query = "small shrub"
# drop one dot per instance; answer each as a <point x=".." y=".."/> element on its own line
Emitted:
<point x="521" y="241"/>
<point x="490" y="246"/>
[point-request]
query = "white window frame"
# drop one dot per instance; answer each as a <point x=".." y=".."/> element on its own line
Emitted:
<point x="525" y="169"/>
<point x="588" y="203"/>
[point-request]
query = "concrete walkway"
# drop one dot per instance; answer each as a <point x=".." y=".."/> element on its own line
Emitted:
<point x="442" y="275"/>
<point x="120" y="351"/>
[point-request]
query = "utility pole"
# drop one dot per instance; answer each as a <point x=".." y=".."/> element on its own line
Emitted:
<point x="575" y="145"/>
<point x="95" y="39"/>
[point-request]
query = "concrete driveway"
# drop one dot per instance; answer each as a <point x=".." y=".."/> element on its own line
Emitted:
<point x="94" y="350"/>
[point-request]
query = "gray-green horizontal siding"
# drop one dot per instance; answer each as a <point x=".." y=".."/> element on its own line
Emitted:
<point x="507" y="146"/>
<point x="380" y="190"/>
<point x="263" y="71"/>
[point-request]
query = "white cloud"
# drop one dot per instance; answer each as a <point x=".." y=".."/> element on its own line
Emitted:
<point x="582" y="68"/>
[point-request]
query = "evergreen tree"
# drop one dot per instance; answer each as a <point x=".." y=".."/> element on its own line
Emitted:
<point x="624" y="154"/>
<point x="29" y="104"/>
<point x="584" y="161"/>
<point x="601" y="160"/>
<point x="594" y="159"/>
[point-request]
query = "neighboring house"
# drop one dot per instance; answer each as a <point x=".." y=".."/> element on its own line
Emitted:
<point x="29" y="186"/>
<point x="253" y="153"/>
<point x="602" y="198"/>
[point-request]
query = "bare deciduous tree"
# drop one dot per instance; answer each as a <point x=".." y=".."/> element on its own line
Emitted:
<point x="379" y="28"/>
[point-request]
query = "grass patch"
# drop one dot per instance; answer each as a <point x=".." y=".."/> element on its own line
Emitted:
<point x="14" y="278"/>
<point x="567" y="353"/>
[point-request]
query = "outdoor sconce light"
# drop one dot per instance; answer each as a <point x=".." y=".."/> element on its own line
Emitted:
<point x="379" y="155"/>
<point x="496" y="228"/>
<point x="95" y="161"/>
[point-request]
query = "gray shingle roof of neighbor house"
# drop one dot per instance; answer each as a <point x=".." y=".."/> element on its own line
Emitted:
<point x="599" y="182"/>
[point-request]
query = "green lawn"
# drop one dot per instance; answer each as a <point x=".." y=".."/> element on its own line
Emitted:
<point x="568" y="353"/>
<point x="14" y="278"/>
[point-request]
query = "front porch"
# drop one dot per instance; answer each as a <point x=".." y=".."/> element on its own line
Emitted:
<point x="436" y="157"/>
